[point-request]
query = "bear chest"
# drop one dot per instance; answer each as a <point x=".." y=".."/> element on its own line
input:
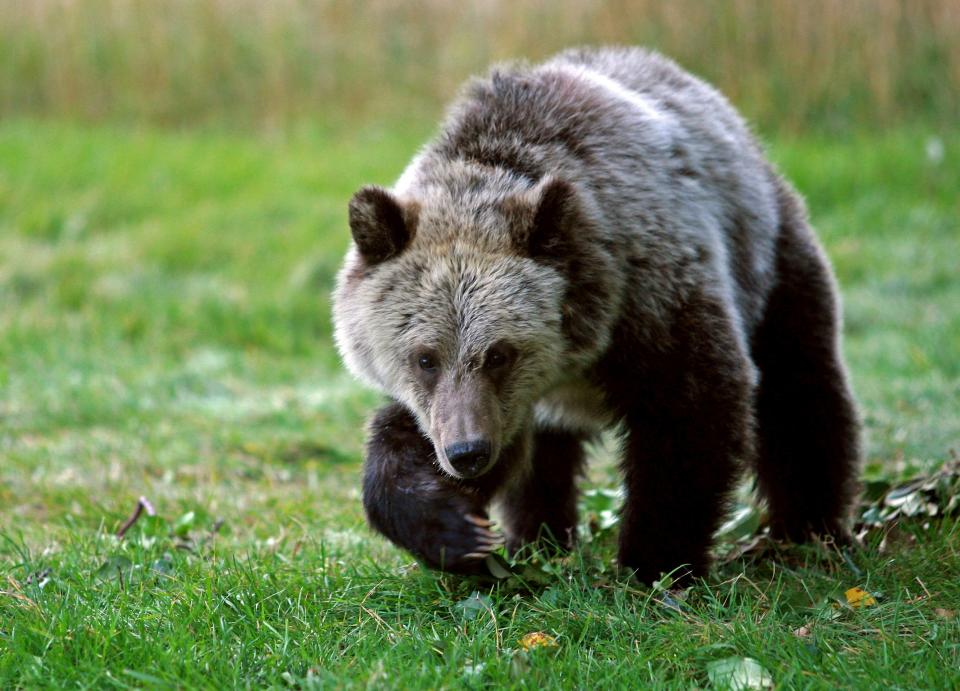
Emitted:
<point x="575" y="406"/>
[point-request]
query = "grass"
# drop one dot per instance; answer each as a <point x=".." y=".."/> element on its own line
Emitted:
<point x="164" y="331"/>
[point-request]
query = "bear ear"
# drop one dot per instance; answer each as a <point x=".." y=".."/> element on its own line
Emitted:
<point x="556" y="213"/>
<point x="379" y="224"/>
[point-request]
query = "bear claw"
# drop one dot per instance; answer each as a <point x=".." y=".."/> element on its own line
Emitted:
<point x="488" y="537"/>
<point x="479" y="521"/>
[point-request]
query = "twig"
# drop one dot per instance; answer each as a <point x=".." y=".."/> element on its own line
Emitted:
<point x="143" y="504"/>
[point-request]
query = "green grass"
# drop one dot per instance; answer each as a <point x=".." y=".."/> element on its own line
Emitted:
<point x="164" y="331"/>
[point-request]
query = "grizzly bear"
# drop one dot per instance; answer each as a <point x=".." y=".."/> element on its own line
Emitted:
<point x="593" y="243"/>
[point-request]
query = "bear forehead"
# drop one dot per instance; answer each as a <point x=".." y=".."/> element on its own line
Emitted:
<point x="464" y="226"/>
<point x="459" y="274"/>
<point x="461" y="203"/>
<point x="460" y="293"/>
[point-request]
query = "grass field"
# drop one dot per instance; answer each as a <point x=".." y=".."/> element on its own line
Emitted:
<point x="164" y="332"/>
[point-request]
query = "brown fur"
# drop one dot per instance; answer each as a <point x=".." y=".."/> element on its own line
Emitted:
<point x="594" y="243"/>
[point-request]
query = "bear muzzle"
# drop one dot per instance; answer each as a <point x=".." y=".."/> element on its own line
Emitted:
<point x="465" y="425"/>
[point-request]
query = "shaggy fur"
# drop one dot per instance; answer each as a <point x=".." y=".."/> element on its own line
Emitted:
<point x="595" y="242"/>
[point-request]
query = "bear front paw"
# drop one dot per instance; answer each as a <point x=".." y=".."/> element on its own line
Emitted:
<point x="458" y="542"/>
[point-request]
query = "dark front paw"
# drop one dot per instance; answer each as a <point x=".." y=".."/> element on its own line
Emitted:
<point x="408" y="499"/>
<point x="457" y="542"/>
<point x="443" y="529"/>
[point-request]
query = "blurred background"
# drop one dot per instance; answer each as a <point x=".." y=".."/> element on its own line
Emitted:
<point x="827" y="65"/>
<point x="173" y="185"/>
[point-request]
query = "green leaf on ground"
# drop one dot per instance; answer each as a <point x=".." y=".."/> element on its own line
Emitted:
<point x="738" y="674"/>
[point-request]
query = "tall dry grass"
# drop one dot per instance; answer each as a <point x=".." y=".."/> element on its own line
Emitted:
<point x="786" y="63"/>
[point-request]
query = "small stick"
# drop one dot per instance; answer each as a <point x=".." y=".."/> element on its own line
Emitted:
<point x="929" y="596"/>
<point x="143" y="504"/>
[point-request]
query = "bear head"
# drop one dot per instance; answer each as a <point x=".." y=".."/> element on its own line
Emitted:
<point x="455" y="301"/>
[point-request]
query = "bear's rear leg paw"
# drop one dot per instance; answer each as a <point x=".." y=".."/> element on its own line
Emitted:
<point x="800" y="531"/>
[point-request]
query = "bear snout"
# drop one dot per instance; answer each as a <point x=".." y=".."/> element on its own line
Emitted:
<point x="469" y="458"/>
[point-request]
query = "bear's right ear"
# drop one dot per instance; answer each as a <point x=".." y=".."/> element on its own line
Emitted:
<point x="550" y="215"/>
<point x="379" y="224"/>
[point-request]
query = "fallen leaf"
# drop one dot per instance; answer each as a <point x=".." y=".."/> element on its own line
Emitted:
<point x="114" y="568"/>
<point x="497" y="566"/>
<point x="737" y="673"/>
<point x="473" y="606"/>
<point x="538" y="639"/>
<point x="664" y="584"/>
<point x="671" y="602"/>
<point x="874" y="490"/>
<point x="40" y="578"/>
<point x="858" y="597"/>
<point x="184" y="524"/>
<point x="599" y="506"/>
<point x="744" y="522"/>
<point x="945" y="613"/>
<point x="919" y="498"/>
<point x="472" y="670"/>
<point x="756" y="546"/>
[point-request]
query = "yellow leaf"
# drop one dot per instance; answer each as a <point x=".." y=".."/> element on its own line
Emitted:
<point x="858" y="597"/>
<point x="538" y="639"/>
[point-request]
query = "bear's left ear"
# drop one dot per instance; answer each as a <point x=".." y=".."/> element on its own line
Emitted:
<point x="555" y="215"/>
<point x="380" y="226"/>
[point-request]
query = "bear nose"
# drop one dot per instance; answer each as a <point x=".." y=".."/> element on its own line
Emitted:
<point x="469" y="458"/>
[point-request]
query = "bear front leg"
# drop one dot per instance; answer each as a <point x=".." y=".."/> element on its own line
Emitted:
<point x="689" y="425"/>
<point x="541" y="506"/>
<point x="411" y="501"/>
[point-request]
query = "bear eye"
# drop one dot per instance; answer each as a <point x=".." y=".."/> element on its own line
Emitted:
<point x="427" y="362"/>
<point x="498" y="356"/>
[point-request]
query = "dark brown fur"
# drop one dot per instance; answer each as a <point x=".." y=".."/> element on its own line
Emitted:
<point x="687" y="414"/>
<point x="808" y="448"/>
<point x="542" y="507"/>
<point x="410" y="501"/>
